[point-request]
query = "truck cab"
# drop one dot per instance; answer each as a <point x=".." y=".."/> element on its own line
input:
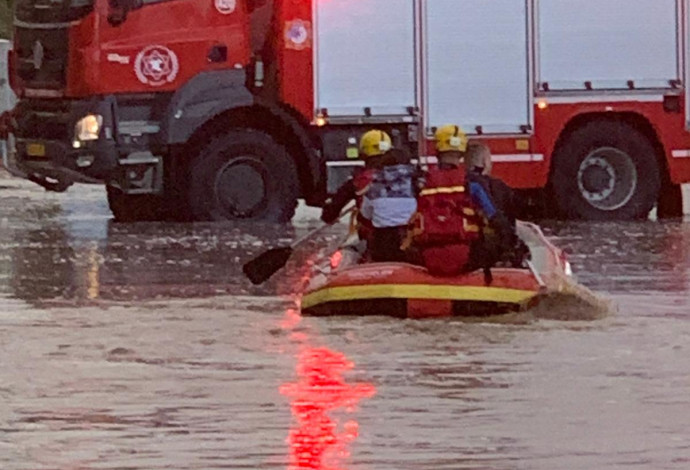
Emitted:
<point x="123" y="92"/>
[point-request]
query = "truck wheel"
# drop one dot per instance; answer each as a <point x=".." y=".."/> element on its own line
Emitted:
<point x="670" y="204"/>
<point x="606" y="170"/>
<point x="245" y="175"/>
<point x="134" y="207"/>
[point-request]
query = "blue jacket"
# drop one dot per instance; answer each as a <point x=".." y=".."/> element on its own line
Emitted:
<point x="482" y="199"/>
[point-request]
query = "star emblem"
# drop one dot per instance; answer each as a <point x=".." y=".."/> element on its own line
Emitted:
<point x="156" y="65"/>
<point x="298" y="35"/>
<point x="226" y="6"/>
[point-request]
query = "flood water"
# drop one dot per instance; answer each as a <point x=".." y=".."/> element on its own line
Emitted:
<point x="142" y="347"/>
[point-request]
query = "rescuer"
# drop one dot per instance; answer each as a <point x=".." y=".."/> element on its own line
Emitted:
<point x="447" y="229"/>
<point x="384" y="191"/>
<point x="478" y="163"/>
<point x="389" y="203"/>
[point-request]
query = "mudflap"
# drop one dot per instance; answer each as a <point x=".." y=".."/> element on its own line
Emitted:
<point x="50" y="184"/>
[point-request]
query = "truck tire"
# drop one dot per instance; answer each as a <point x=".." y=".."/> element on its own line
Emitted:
<point x="670" y="205"/>
<point x="243" y="175"/>
<point x="606" y="170"/>
<point x="135" y="207"/>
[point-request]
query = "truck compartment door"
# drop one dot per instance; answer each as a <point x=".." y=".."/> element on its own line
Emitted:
<point x="613" y="44"/>
<point x="477" y="65"/>
<point x="365" y="57"/>
<point x="686" y="61"/>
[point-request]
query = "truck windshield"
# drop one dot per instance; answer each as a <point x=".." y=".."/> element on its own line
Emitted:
<point x="52" y="11"/>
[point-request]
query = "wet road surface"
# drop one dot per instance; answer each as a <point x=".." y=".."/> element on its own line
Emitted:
<point x="142" y="347"/>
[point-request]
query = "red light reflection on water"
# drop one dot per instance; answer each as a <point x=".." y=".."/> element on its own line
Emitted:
<point x="316" y="440"/>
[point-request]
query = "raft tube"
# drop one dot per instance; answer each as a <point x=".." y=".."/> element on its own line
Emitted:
<point x="408" y="291"/>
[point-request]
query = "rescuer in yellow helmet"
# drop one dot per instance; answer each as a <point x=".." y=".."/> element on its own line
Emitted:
<point x="450" y="240"/>
<point x="374" y="143"/>
<point x="451" y="143"/>
<point x="374" y="147"/>
<point x="384" y="191"/>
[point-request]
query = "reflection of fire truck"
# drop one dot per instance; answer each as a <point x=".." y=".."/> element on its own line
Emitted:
<point x="235" y="108"/>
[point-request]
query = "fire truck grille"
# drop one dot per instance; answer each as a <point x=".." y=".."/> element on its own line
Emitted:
<point x="42" y="57"/>
<point x="45" y="119"/>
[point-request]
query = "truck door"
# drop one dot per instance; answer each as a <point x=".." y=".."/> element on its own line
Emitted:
<point x="610" y="44"/>
<point x="165" y="43"/>
<point x="365" y="57"/>
<point x="477" y="65"/>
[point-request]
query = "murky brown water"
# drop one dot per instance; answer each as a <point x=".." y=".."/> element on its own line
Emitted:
<point x="142" y="347"/>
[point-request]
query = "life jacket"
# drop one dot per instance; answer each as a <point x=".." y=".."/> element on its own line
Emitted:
<point x="362" y="179"/>
<point x="390" y="199"/>
<point x="445" y="214"/>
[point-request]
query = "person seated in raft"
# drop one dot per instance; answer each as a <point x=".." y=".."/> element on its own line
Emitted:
<point x="478" y="164"/>
<point x="447" y="228"/>
<point x="384" y="191"/>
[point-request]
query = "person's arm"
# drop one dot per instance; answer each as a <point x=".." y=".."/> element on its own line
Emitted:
<point x="497" y="219"/>
<point x="333" y="207"/>
<point x="482" y="199"/>
<point x="505" y="198"/>
<point x="418" y="180"/>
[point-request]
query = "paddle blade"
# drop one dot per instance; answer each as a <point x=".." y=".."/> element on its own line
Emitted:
<point x="261" y="268"/>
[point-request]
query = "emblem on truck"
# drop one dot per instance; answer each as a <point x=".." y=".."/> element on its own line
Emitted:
<point x="226" y="6"/>
<point x="156" y="65"/>
<point x="298" y="35"/>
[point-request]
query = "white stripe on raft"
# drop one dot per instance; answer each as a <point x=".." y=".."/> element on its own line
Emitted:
<point x="681" y="153"/>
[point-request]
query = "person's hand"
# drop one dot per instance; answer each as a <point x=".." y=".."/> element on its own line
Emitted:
<point x="506" y="238"/>
<point x="503" y="228"/>
<point x="517" y="256"/>
<point x="330" y="214"/>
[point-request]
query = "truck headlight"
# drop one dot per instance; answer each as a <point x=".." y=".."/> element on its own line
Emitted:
<point x="88" y="128"/>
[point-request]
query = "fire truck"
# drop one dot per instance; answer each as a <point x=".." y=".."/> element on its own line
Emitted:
<point x="235" y="109"/>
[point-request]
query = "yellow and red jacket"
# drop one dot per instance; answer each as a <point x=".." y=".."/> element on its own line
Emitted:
<point x="445" y="212"/>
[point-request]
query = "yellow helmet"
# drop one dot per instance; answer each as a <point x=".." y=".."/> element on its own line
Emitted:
<point x="450" y="137"/>
<point x="375" y="143"/>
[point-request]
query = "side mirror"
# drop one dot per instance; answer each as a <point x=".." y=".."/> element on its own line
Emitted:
<point x="118" y="10"/>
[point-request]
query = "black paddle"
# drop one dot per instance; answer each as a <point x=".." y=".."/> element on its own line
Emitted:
<point x="261" y="268"/>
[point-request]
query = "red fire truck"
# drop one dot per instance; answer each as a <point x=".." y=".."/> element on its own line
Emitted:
<point x="227" y="109"/>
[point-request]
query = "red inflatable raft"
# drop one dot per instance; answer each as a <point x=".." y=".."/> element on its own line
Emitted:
<point x="409" y="291"/>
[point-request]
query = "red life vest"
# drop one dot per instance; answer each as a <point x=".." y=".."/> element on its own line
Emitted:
<point x="362" y="179"/>
<point x="446" y="214"/>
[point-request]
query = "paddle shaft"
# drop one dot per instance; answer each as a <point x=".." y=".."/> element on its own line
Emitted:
<point x="261" y="268"/>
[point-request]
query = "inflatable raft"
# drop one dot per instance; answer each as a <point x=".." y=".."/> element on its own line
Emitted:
<point x="408" y="291"/>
